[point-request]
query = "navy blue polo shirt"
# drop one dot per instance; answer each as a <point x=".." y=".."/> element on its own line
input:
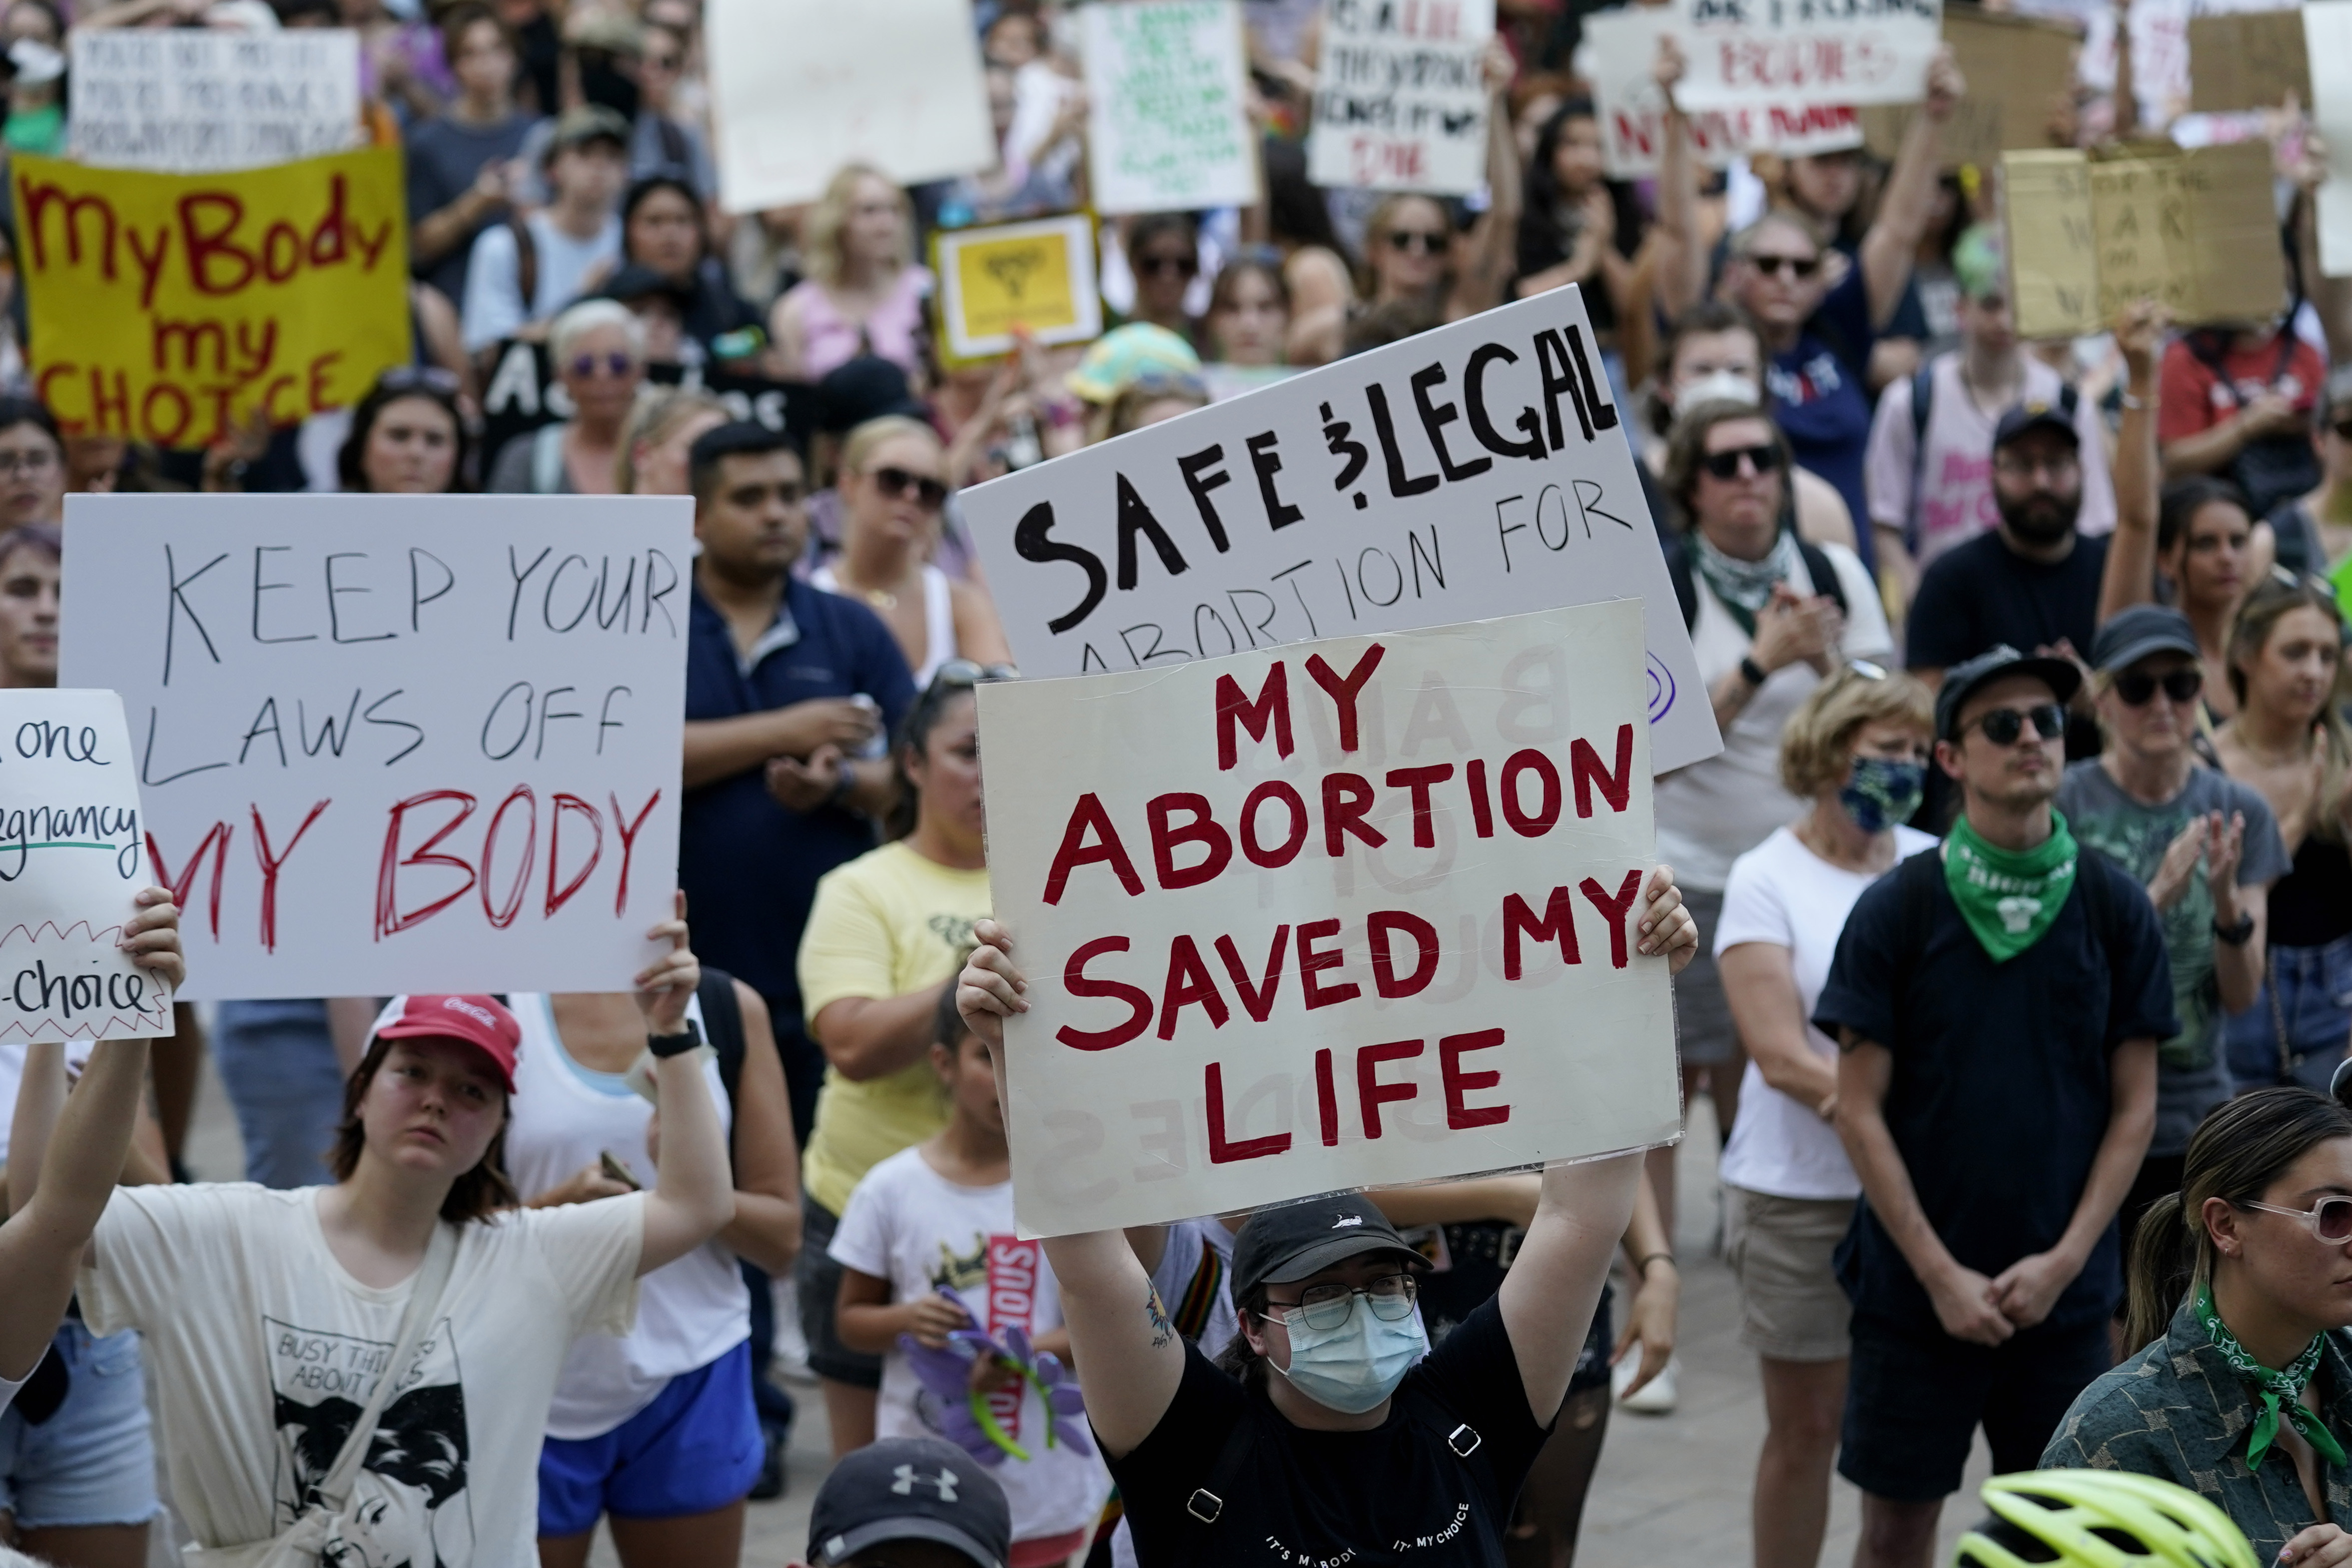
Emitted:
<point x="749" y="867"/>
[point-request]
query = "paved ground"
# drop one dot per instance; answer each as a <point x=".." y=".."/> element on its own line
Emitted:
<point x="1672" y="1489"/>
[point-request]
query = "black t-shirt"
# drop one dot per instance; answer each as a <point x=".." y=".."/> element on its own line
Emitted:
<point x="1983" y="593"/>
<point x="1396" y="1494"/>
<point x="1999" y="1094"/>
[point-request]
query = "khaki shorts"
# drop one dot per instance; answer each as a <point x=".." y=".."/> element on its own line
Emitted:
<point x="1791" y="1307"/>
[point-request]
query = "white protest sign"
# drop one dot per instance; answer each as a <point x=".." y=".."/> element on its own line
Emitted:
<point x="396" y="742"/>
<point x="800" y="87"/>
<point x="1401" y="97"/>
<point x="1631" y="109"/>
<point x="1473" y="471"/>
<point x="186" y="101"/>
<point x="1768" y="53"/>
<point x="2328" y="38"/>
<point x="1327" y="916"/>
<point x="1166" y="129"/>
<point x="72" y="858"/>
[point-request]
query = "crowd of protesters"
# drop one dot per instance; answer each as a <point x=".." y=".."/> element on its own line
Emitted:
<point x="2015" y="913"/>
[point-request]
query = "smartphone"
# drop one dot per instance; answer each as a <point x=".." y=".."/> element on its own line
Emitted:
<point x="617" y="1170"/>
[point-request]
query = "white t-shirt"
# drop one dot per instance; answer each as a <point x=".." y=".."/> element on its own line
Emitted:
<point x="494" y="308"/>
<point x="1711" y="812"/>
<point x="7" y="1394"/>
<point x="1784" y="894"/>
<point x="264" y="1349"/>
<point x="908" y="1224"/>
<point x="690" y="1312"/>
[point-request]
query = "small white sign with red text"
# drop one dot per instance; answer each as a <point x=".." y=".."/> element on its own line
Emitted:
<point x="1401" y="96"/>
<point x="1633" y="110"/>
<point x="395" y="743"/>
<point x="1781" y="53"/>
<point x="1341" y="913"/>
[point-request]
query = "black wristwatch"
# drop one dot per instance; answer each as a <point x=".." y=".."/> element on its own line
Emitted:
<point x="1755" y="674"/>
<point x="675" y="1044"/>
<point x="2238" y="934"/>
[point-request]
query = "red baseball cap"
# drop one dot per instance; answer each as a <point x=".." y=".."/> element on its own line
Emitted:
<point x="481" y="1022"/>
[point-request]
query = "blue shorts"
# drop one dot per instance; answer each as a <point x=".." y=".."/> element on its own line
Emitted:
<point x="695" y="1448"/>
<point x="92" y="1462"/>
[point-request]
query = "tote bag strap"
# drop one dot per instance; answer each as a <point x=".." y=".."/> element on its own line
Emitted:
<point x="416" y="1322"/>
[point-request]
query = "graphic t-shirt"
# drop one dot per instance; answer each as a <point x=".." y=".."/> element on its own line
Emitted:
<point x="1815" y="393"/>
<point x="1417" y="1489"/>
<point x="888" y="923"/>
<point x="914" y="1228"/>
<point x="264" y="1350"/>
<point x="2192" y="1067"/>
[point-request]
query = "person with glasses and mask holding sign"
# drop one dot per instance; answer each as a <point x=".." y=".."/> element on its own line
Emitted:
<point x="1997" y="1007"/>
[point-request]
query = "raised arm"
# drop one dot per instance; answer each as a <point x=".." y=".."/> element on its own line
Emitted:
<point x="693" y="1195"/>
<point x="1681" y="276"/>
<point x="1909" y="200"/>
<point x="2129" y="575"/>
<point x="1494" y="244"/>
<point x="2331" y="298"/>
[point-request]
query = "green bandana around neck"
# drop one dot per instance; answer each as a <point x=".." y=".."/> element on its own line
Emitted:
<point x="2278" y="1391"/>
<point x="1745" y="587"/>
<point x="2009" y="899"/>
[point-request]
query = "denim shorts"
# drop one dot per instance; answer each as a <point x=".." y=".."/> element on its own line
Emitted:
<point x="2304" y="1012"/>
<point x="816" y="1286"/>
<point x="695" y="1448"/>
<point x="92" y="1462"/>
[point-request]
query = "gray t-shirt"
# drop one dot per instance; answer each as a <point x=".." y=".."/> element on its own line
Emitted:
<point x="2193" y="1067"/>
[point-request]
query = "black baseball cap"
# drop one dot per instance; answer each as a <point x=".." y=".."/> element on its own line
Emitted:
<point x="1998" y="663"/>
<point x="910" y="1488"/>
<point x="2133" y="633"/>
<point x="2020" y="418"/>
<point x="1279" y="1244"/>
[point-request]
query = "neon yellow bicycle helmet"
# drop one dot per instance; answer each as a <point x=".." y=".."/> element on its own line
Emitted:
<point x="2099" y="1518"/>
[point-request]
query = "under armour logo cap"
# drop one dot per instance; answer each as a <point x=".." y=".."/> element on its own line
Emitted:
<point x="910" y="1488"/>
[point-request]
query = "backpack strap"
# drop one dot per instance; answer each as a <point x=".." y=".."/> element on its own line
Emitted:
<point x="526" y="262"/>
<point x="723" y="1030"/>
<point x="1819" y="567"/>
<point x="1923" y="403"/>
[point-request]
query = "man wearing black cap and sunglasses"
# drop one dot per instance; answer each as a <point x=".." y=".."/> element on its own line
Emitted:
<point x="2206" y="847"/>
<point x="1998" y="1007"/>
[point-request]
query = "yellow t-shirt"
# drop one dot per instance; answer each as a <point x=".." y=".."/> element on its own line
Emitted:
<point x="888" y="923"/>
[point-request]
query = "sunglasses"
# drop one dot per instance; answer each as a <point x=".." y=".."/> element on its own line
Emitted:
<point x="1797" y="266"/>
<point x="897" y="484"/>
<point x="2342" y="427"/>
<point x="2330" y="1219"/>
<point x="2002" y="726"/>
<point x="409" y="377"/>
<point x="2182" y="686"/>
<point x="1408" y="241"/>
<point x="586" y="366"/>
<point x="1163" y="266"/>
<point x="1726" y="465"/>
<point x="961" y="672"/>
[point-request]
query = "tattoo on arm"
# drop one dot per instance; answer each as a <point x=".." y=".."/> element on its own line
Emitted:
<point x="1163" y="1332"/>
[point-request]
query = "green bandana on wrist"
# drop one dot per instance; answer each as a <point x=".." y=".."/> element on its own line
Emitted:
<point x="2278" y="1391"/>
<point x="2009" y="899"/>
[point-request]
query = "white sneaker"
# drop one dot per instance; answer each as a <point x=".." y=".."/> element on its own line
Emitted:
<point x="1655" y="1397"/>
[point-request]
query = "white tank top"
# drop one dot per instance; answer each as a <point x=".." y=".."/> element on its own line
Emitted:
<point x="690" y="1312"/>
<point x="939" y="617"/>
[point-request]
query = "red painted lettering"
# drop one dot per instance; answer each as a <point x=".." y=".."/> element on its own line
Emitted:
<point x="1559" y="924"/>
<point x="502" y="916"/>
<point x="1188" y="983"/>
<point x="1221" y="1150"/>
<point x="1202" y="830"/>
<point x="389" y="920"/>
<point x="628" y="826"/>
<point x="1311" y="963"/>
<point x="1613" y="907"/>
<point x="1371" y="1092"/>
<point x="1235" y="712"/>
<point x="271" y="862"/>
<point x="1460" y="1115"/>
<point x="1345" y="798"/>
<point x="1526" y="824"/>
<point x="1089" y="818"/>
<point x="1075" y="980"/>
<point x="1419" y="781"/>
<point x="1257" y="1001"/>
<point x="1282" y="855"/>
<point x="559" y="897"/>
<point x="1385" y="978"/>
<point x="1584" y="766"/>
<point x="1343" y="690"/>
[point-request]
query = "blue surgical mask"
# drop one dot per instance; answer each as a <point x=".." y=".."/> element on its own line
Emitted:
<point x="1353" y="1367"/>
<point x="1883" y="791"/>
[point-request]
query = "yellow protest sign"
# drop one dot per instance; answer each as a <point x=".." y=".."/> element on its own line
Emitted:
<point x="1035" y="277"/>
<point x="169" y="308"/>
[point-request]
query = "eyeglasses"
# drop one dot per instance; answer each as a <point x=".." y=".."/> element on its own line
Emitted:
<point x="2135" y="687"/>
<point x="1726" y="465"/>
<point x="409" y="377"/>
<point x="897" y="484"/>
<point x="1405" y="241"/>
<point x="2330" y="1219"/>
<point x="957" y="673"/>
<point x="1327" y="1306"/>
<point x="586" y="366"/>
<point x="2002" y="726"/>
<point x="2057" y="467"/>
<point x="13" y="464"/>
<point x="1797" y="266"/>
<point x="1160" y="266"/>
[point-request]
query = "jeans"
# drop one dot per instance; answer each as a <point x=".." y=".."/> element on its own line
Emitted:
<point x="2303" y="1014"/>
<point x="93" y="1462"/>
<point x="278" y="1063"/>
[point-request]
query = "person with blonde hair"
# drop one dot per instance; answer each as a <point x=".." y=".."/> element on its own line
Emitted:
<point x="598" y="347"/>
<point x="892" y="495"/>
<point x="864" y="293"/>
<point x="662" y="430"/>
<point x="1856" y="748"/>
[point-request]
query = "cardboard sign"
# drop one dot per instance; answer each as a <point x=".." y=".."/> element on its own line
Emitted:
<point x="1401" y="97"/>
<point x="1166" y="131"/>
<point x="2193" y="228"/>
<point x="72" y="858"/>
<point x="799" y="88"/>
<point x="1037" y="277"/>
<point x="1779" y="52"/>
<point x="2247" y="59"/>
<point x="1476" y="470"/>
<point x="2327" y="30"/>
<point x="396" y="743"/>
<point x="523" y="395"/>
<point x="1339" y="914"/>
<point x="188" y="101"/>
<point x="1632" y="111"/>
<point x="171" y="308"/>
<point x="2020" y="71"/>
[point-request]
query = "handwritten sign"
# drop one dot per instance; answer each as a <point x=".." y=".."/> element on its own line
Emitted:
<point x="1768" y="52"/>
<point x="1476" y="470"/>
<point x="800" y="87"/>
<point x="189" y="101"/>
<point x="396" y="743"/>
<point x="1165" y="124"/>
<point x="2247" y="59"/>
<point x="1349" y="912"/>
<point x="171" y="308"/>
<point x="72" y="858"/>
<point x="523" y="395"/>
<point x="2020" y="72"/>
<point x="1633" y="110"/>
<point x="1035" y="277"/>
<point x="2327" y="29"/>
<point x="1400" y="98"/>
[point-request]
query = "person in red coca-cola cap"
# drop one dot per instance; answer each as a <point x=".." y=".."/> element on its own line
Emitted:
<point x="481" y="1022"/>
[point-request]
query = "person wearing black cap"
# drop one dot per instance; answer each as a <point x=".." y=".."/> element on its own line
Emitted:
<point x="1329" y="1431"/>
<point x="2205" y="845"/>
<point x="1997" y="1008"/>
<point x="933" y="1505"/>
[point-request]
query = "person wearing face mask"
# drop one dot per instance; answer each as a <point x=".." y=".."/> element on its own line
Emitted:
<point x="2206" y="847"/>
<point x="1858" y="748"/>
